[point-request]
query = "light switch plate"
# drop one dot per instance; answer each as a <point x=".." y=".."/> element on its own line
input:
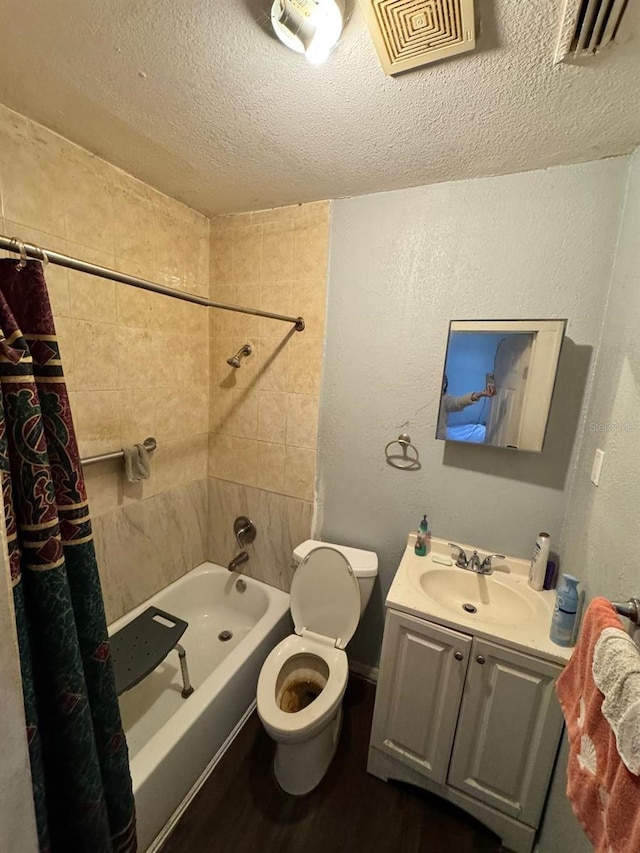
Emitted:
<point x="596" y="470"/>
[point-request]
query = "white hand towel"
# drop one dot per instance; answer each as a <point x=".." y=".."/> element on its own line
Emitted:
<point x="136" y="463"/>
<point x="616" y="673"/>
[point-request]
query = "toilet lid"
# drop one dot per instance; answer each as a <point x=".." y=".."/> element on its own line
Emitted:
<point x="325" y="597"/>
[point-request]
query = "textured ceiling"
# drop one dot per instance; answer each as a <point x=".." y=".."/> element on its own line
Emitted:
<point x="198" y="99"/>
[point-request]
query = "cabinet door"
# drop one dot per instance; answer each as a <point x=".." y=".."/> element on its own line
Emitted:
<point x="508" y="731"/>
<point x="418" y="693"/>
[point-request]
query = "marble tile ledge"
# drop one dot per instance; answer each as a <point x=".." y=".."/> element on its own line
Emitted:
<point x="281" y="521"/>
<point x="142" y="547"/>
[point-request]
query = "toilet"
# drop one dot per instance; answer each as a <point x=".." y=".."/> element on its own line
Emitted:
<point x="303" y="680"/>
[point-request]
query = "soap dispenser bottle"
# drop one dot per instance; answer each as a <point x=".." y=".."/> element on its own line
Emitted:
<point x="564" y="613"/>
<point x="426" y="534"/>
<point x="422" y="538"/>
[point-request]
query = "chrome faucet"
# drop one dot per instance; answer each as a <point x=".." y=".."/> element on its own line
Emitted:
<point x="461" y="561"/>
<point x="245" y="533"/>
<point x="472" y="563"/>
<point x="245" y="530"/>
<point x="238" y="561"/>
<point x="486" y="567"/>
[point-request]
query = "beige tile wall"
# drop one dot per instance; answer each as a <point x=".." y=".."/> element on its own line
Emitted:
<point x="140" y="364"/>
<point x="281" y="522"/>
<point x="136" y="363"/>
<point x="264" y="416"/>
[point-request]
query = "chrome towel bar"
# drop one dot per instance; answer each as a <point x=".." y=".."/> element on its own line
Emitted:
<point x="149" y="443"/>
<point x="631" y="610"/>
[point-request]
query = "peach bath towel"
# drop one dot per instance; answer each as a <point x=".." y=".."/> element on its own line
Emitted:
<point x="604" y="795"/>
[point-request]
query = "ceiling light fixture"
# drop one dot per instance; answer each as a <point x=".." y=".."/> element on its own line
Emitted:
<point x="311" y="27"/>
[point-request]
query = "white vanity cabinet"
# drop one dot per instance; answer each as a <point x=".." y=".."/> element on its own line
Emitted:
<point x="469" y="719"/>
<point x="422" y="673"/>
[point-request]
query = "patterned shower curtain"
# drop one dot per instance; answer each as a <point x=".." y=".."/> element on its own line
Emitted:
<point x="79" y="760"/>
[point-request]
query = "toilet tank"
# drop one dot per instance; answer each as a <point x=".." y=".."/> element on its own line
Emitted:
<point x="363" y="563"/>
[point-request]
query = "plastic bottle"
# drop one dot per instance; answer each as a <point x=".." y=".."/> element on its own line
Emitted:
<point x="564" y="613"/>
<point x="539" y="561"/>
<point x="420" y="547"/>
<point x="551" y="575"/>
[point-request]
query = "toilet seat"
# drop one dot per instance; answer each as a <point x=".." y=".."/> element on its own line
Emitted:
<point x="325" y="606"/>
<point x="325" y="596"/>
<point x="286" y="726"/>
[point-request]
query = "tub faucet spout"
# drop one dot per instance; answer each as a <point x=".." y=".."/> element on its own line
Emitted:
<point x="238" y="561"/>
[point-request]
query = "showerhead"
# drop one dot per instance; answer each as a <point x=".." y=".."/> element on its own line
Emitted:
<point x="236" y="360"/>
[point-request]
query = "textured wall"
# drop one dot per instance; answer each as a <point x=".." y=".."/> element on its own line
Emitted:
<point x="264" y="415"/>
<point x="537" y="244"/>
<point x="136" y="363"/>
<point x="599" y="541"/>
<point x="600" y="544"/>
<point x="17" y="822"/>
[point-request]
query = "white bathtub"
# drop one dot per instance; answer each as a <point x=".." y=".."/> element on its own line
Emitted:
<point x="172" y="740"/>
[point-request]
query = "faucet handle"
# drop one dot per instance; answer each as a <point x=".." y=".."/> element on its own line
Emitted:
<point x="461" y="561"/>
<point x="245" y="530"/>
<point x="486" y="566"/>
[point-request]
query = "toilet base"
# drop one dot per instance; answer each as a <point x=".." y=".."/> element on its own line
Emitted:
<point x="300" y="767"/>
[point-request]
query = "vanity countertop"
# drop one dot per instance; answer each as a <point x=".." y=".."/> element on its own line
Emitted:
<point x="506" y="608"/>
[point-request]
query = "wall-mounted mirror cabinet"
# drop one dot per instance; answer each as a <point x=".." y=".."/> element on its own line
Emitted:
<point x="498" y="382"/>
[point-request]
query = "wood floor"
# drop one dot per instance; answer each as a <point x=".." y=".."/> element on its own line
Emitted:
<point x="240" y="809"/>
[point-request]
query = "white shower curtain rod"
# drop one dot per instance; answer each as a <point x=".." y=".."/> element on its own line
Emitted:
<point x="27" y="250"/>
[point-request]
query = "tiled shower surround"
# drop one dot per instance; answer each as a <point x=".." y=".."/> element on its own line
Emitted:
<point x="138" y="364"/>
<point x="264" y="415"/>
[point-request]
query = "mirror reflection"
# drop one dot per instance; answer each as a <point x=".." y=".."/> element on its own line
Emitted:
<point x="498" y="382"/>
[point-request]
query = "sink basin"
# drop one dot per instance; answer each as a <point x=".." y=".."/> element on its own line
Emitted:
<point x="500" y="607"/>
<point x="483" y="597"/>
